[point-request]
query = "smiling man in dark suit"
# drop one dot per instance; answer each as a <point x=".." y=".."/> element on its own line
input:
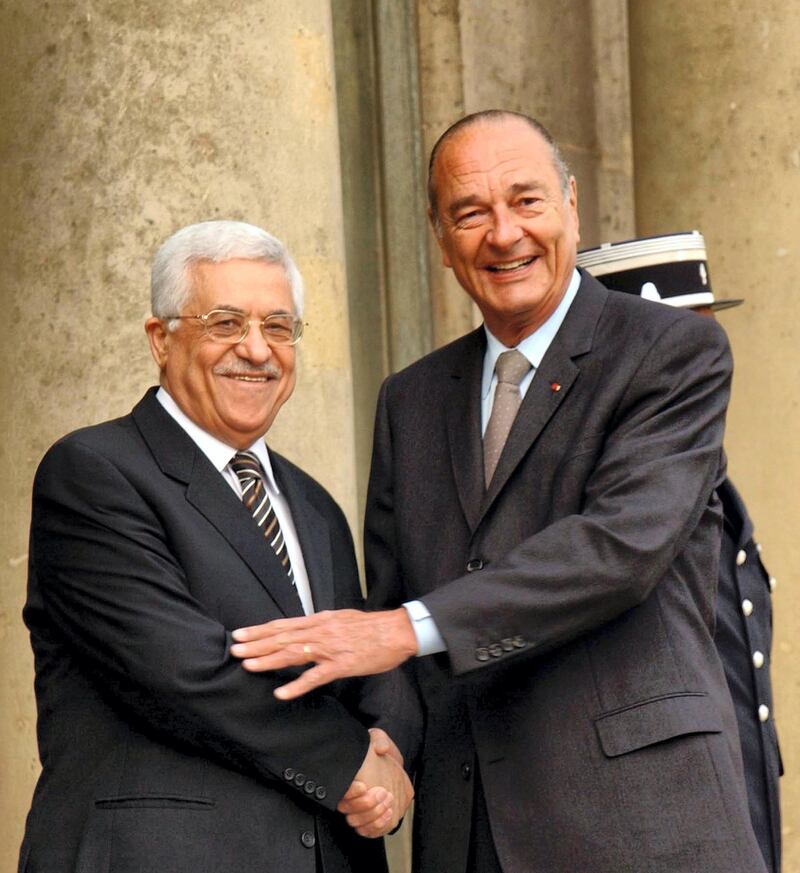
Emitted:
<point x="151" y="537"/>
<point x="542" y="537"/>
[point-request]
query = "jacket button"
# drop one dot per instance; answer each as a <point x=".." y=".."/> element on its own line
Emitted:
<point x="321" y="793"/>
<point x="758" y="548"/>
<point x="507" y="644"/>
<point x="300" y="779"/>
<point x="495" y="650"/>
<point x="482" y="653"/>
<point x="308" y="839"/>
<point x="773" y="583"/>
<point x="747" y="607"/>
<point x="288" y="774"/>
<point x="758" y="659"/>
<point x="310" y="786"/>
<point x="466" y="771"/>
<point x="518" y="642"/>
<point x="741" y="557"/>
<point x="474" y="564"/>
<point x="763" y="712"/>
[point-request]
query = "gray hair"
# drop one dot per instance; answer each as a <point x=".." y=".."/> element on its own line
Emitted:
<point x="214" y="242"/>
<point x="492" y="116"/>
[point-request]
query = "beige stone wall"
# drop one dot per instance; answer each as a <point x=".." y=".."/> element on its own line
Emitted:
<point x="716" y="112"/>
<point x="123" y="121"/>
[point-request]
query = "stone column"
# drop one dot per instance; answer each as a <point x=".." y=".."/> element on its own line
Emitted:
<point x="123" y="121"/>
<point x="717" y="147"/>
<point x="442" y="102"/>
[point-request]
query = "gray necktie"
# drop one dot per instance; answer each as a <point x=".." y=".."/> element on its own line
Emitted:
<point x="511" y="368"/>
<point x="255" y="497"/>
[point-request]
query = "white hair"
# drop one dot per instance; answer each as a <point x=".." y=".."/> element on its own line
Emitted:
<point x="213" y="242"/>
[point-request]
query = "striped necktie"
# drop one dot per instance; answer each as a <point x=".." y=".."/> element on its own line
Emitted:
<point x="255" y="497"/>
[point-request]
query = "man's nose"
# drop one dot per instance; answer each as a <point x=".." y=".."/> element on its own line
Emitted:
<point x="254" y="347"/>
<point x="506" y="229"/>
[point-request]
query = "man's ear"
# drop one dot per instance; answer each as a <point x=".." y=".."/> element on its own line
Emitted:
<point x="573" y="202"/>
<point x="438" y="235"/>
<point x="158" y="337"/>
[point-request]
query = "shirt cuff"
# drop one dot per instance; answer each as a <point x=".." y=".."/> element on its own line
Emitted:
<point x="429" y="640"/>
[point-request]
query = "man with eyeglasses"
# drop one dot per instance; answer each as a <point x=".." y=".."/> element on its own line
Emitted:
<point x="151" y="537"/>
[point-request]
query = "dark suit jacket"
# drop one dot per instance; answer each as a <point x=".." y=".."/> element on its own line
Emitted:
<point x="576" y="597"/>
<point x="159" y="752"/>
<point x="744" y="627"/>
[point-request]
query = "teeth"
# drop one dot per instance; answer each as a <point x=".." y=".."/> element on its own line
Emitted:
<point x="251" y="378"/>
<point x="511" y="265"/>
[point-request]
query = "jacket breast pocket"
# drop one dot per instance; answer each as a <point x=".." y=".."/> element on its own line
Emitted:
<point x="656" y="721"/>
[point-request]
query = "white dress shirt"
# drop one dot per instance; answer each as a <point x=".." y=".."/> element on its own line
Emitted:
<point x="534" y="347"/>
<point x="220" y="456"/>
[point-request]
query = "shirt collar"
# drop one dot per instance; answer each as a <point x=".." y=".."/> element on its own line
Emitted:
<point x="218" y="452"/>
<point x="535" y="345"/>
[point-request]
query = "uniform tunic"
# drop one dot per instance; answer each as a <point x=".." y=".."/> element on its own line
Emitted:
<point x="744" y="638"/>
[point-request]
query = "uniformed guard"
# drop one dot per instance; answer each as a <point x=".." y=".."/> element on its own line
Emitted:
<point x="673" y="269"/>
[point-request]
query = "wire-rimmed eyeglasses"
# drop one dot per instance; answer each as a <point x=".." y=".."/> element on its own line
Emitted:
<point x="228" y="326"/>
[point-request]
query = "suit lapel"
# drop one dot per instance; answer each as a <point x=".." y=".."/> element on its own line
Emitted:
<point x="551" y="384"/>
<point x="313" y="533"/>
<point x="547" y="391"/>
<point x="463" y="414"/>
<point x="209" y="493"/>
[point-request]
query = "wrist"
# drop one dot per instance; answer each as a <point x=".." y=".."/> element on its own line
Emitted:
<point x="405" y="636"/>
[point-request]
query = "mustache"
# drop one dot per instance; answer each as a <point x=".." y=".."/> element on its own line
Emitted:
<point x="243" y="369"/>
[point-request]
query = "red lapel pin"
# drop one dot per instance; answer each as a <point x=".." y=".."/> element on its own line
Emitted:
<point x="554" y="387"/>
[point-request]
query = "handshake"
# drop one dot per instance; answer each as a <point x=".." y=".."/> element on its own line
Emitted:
<point x="339" y="644"/>
<point x="381" y="791"/>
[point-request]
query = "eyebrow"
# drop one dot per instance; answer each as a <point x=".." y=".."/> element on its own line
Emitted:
<point x="228" y="307"/>
<point x="458" y="205"/>
<point x="474" y="199"/>
<point x="520" y="187"/>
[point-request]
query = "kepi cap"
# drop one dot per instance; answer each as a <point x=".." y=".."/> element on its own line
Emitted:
<point x="671" y="269"/>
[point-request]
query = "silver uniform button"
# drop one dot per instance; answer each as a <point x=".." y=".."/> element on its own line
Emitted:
<point x="758" y="659"/>
<point x="763" y="712"/>
<point x="773" y="583"/>
<point x="741" y="557"/>
<point x="747" y="607"/>
<point x="758" y="548"/>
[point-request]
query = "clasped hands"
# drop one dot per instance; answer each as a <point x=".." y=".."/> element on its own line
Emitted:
<point x="341" y="643"/>
<point x="381" y="791"/>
